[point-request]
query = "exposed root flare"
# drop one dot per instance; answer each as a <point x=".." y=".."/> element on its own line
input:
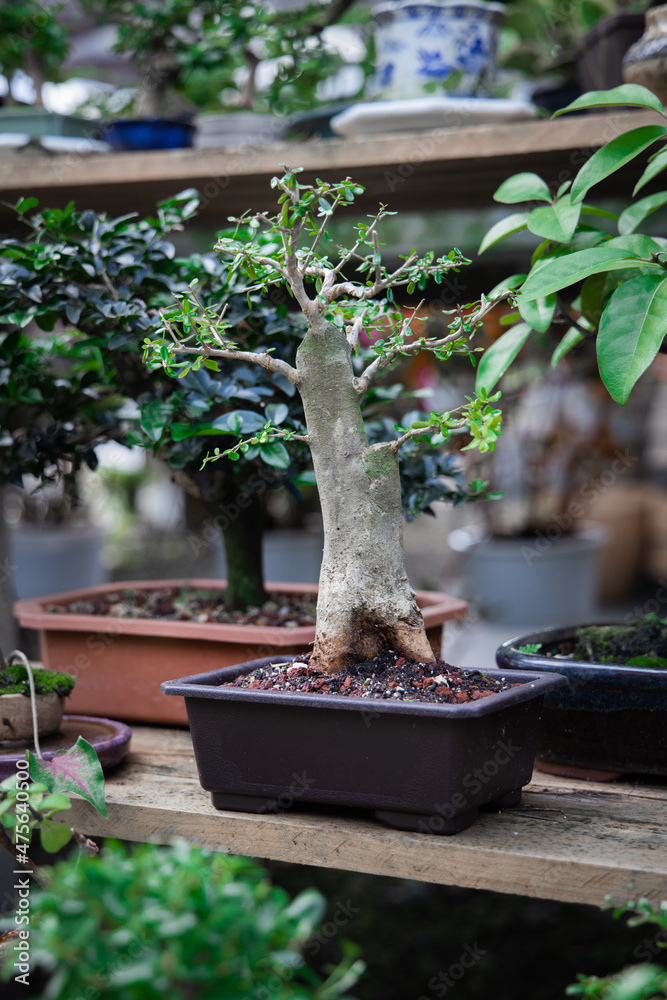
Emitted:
<point x="366" y="639"/>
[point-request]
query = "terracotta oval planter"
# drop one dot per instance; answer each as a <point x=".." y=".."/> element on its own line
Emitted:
<point x="16" y="715"/>
<point x="120" y="663"/>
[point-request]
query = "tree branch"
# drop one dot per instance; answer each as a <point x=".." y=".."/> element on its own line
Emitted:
<point x="265" y="360"/>
<point x="377" y="366"/>
<point x="416" y="432"/>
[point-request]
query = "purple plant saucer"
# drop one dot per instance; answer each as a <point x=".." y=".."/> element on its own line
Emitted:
<point x="110" y="739"/>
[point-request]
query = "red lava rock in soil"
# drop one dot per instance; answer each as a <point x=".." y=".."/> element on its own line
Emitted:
<point x="386" y="677"/>
<point x="193" y="604"/>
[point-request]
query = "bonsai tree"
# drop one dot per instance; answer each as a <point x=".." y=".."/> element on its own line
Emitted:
<point x="209" y="52"/>
<point x="622" y="303"/>
<point x="33" y="40"/>
<point x="366" y="604"/>
<point x="105" y="280"/>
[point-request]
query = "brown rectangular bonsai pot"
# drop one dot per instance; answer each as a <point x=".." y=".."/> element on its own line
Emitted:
<point x="121" y="662"/>
<point x="417" y="765"/>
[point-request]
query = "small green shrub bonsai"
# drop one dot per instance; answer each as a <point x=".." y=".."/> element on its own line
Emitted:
<point x="147" y="923"/>
<point x="32" y="39"/>
<point x="365" y="604"/>
<point x="207" y="54"/>
<point x="105" y="280"/>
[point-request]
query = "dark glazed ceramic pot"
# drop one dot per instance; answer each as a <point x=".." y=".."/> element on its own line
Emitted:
<point x="608" y="718"/>
<point x="646" y="61"/>
<point x="417" y="766"/>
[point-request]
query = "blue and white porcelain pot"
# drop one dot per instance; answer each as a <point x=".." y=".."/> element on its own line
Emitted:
<point x="421" y="44"/>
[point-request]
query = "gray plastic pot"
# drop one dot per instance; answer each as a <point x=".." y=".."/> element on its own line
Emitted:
<point x="418" y="766"/>
<point x="535" y="581"/>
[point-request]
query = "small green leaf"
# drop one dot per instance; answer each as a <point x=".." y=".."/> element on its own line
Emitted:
<point x="631" y="332"/>
<point x="277" y="412"/>
<point x="627" y="95"/>
<point x="656" y="165"/>
<point x="497" y="359"/>
<point x="507" y="285"/>
<point x="511" y="224"/>
<point x="24" y="205"/>
<point x="555" y="222"/>
<point x="614" y="155"/>
<point x="522" y="187"/>
<point x="634" y="214"/>
<point x="54" y="836"/>
<point x="570" y="340"/>
<point x="275" y="453"/>
<point x="57" y="801"/>
<point x="538" y="313"/>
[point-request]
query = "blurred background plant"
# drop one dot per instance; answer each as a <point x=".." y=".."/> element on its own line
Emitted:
<point x="144" y="922"/>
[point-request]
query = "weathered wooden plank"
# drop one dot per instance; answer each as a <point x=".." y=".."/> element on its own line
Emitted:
<point x="422" y="170"/>
<point x="569" y="840"/>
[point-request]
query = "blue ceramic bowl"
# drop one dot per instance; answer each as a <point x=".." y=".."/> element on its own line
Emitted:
<point x="126" y="134"/>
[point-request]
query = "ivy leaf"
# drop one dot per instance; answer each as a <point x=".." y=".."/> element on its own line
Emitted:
<point x="631" y="332"/>
<point x="630" y="95"/>
<point x="497" y="359"/>
<point x="522" y="187"/>
<point x="75" y="770"/>
<point x="615" y="154"/>
<point x="54" y="836"/>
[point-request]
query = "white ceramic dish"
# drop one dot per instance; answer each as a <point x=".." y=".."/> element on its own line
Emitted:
<point x="418" y="113"/>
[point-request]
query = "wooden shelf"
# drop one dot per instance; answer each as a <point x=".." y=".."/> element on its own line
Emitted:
<point x="441" y="169"/>
<point x="569" y="840"/>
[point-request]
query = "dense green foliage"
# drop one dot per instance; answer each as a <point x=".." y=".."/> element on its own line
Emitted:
<point x="209" y="51"/>
<point x="31" y="37"/>
<point x="636" y="982"/>
<point x="101" y="283"/>
<point x="14" y="680"/>
<point x="177" y="923"/>
<point x="623" y="299"/>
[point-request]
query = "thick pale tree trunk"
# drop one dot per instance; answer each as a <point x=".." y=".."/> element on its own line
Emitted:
<point x="365" y="604"/>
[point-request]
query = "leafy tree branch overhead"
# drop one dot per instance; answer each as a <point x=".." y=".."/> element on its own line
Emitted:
<point x="621" y="280"/>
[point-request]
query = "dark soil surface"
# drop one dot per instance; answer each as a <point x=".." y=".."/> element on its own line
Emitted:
<point x="640" y="644"/>
<point x="192" y="604"/>
<point x="386" y="677"/>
